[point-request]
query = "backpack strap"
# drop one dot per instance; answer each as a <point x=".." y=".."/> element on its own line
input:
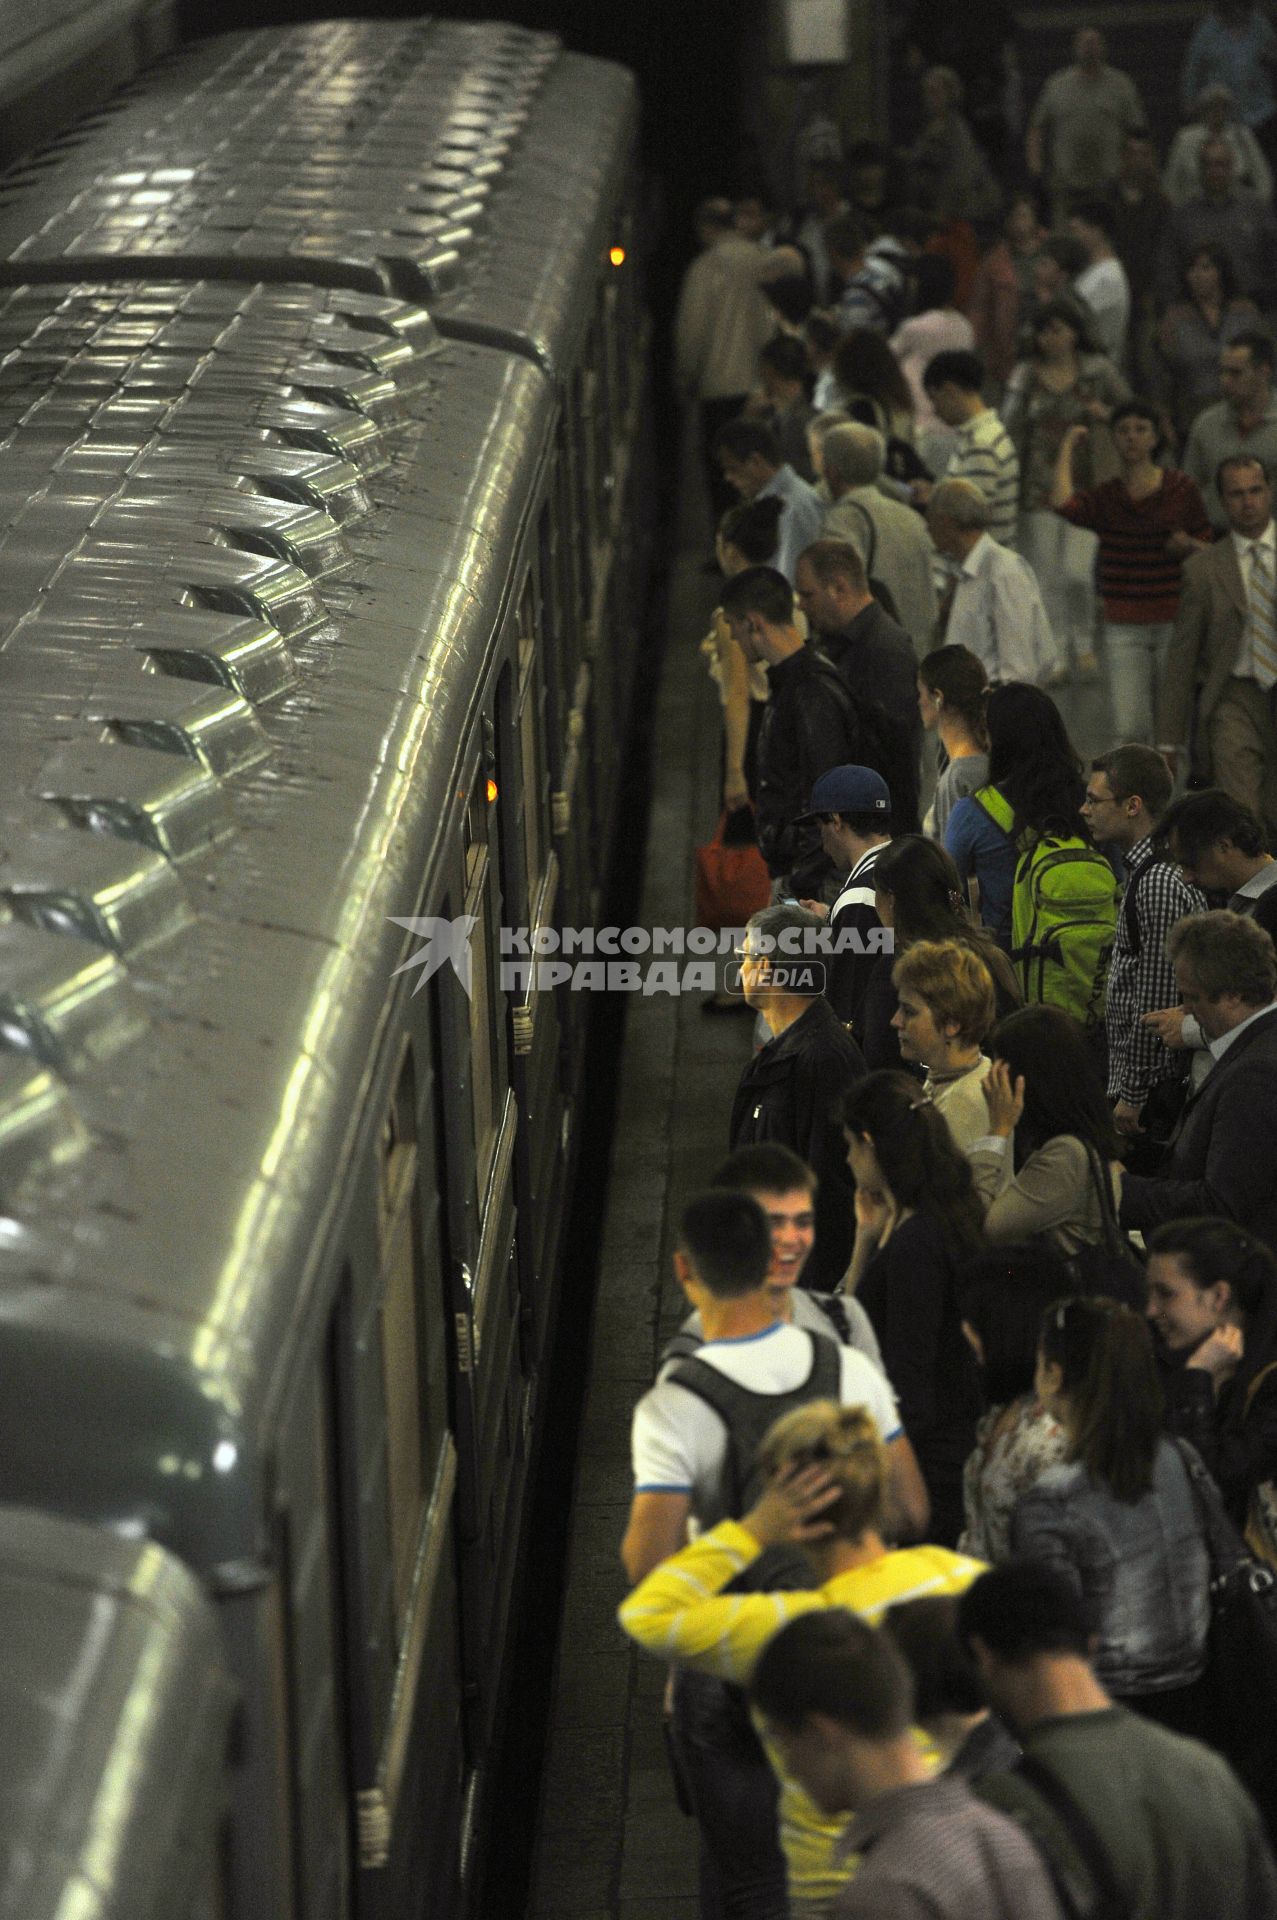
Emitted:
<point x="1113" y="1240"/>
<point x="1087" y="1844"/>
<point x="746" y="1415"/>
<point x="682" y="1346"/>
<point x="998" y="808"/>
<point x="833" y="1306"/>
<point x="1130" y="910"/>
<point x="825" y="1378"/>
<point x="870" y="529"/>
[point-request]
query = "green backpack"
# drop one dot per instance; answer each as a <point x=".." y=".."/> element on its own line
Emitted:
<point x="1064" y="909"/>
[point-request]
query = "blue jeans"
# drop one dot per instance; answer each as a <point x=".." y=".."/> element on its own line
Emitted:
<point x="734" y="1794"/>
<point x="1136" y="663"/>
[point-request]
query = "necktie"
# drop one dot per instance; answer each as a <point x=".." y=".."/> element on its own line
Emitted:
<point x="1262" y="620"/>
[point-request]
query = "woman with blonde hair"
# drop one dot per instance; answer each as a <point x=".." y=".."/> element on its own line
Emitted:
<point x="826" y="1490"/>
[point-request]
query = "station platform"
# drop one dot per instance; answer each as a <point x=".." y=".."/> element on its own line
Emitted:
<point x="611" y="1842"/>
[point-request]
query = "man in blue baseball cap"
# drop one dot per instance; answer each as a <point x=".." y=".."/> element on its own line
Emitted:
<point x="852" y="807"/>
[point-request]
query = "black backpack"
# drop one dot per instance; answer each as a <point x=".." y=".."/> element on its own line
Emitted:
<point x="883" y="742"/>
<point x="746" y="1416"/>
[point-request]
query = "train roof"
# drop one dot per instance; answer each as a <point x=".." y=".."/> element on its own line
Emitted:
<point x="116" y="1708"/>
<point x="232" y="727"/>
<point x="473" y="167"/>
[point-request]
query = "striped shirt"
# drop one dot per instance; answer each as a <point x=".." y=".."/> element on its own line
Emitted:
<point x="679" y="1612"/>
<point x="986" y="454"/>
<point x="1139" y="579"/>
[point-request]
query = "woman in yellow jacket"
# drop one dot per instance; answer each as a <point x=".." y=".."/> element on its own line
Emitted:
<point x="827" y="1489"/>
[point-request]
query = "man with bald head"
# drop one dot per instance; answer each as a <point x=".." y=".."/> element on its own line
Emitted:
<point x="889" y="537"/>
<point x="1076" y="129"/>
<point x="996" y="608"/>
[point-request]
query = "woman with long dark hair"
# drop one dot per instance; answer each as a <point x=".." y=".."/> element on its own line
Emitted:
<point x="1192" y="333"/>
<point x="917" y="1220"/>
<point x="918" y="895"/>
<point x="1048" y="1109"/>
<point x="952" y="689"/>
<point x="1212" y="1300"/>
<point x="871" y="385"/>
<point x="1119" y="1518"/>
<point x="1002" y="1297"/>
<point x="1036" y="772"/>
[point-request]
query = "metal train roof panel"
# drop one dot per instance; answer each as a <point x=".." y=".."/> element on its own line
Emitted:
<point x="213" y="815"/>
<point x="113" y="1639"/>
<point x="461" y="165"/>
<point x="374" y="149"/>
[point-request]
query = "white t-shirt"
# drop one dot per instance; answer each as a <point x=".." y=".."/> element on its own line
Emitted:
<point x="678" y="1442"/>
<point x="1107" y="293"/>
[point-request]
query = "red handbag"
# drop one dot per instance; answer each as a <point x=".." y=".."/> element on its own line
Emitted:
<point x="732" y="880"/>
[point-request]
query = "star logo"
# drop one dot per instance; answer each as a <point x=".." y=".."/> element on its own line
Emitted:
<point x="446" y="940"/>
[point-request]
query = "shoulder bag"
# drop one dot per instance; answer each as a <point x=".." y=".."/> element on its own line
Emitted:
<point x="1110" y="1265"/>
<point x="1242" y="1643"/>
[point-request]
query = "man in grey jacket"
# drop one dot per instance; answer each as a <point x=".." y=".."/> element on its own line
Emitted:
<point x="1176" y="1831"/>
<point x="890" y="538"/>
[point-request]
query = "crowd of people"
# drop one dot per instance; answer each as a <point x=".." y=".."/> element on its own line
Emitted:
<point x="975" y="1406"/>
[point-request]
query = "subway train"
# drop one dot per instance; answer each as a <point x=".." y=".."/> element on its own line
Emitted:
<point x="324" y="480"/>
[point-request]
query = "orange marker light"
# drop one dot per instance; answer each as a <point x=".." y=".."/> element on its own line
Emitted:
<point x="617" y="256"/>
<point x="492" y="790"/>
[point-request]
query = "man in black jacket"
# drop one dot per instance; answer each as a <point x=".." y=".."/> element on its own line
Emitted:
<point x="809" y="725"/>
<point x="875" y="657"/>
<point x="1221" y="1159"/>
<point x="791" y="1091"/>
<point x="852" y="807"/>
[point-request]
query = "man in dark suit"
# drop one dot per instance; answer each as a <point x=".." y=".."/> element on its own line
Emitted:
<point x="1224" y="650"/>
<point x="875" y="657"/>
<point x="1222" y="1159"/>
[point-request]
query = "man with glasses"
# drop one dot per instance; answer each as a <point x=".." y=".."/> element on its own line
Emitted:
<point x="1128" y="792"/>
<point x="1221" y="1160"/>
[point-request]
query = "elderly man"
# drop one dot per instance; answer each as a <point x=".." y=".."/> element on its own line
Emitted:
<point x="1223" y="650"/>
<point x="1075" y="131"/>
<point x="889" y="537"/>
<point x="995" y="607"/>
<point x="1221" y="1160"/>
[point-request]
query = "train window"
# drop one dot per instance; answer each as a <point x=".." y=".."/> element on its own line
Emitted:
<point x="485" y="1102"/>
<point x="401" y="1336"/>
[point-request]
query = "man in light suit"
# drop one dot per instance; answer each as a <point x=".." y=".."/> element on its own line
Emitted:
<point x="1224" y="650"/>
<point x="1222" y="1154"/>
